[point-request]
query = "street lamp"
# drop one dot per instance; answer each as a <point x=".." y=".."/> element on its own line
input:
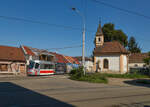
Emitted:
<point x="83" y="37"/>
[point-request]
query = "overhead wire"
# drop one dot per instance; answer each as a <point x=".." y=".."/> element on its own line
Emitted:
<point x="67" y="47"/>
<point x="37" y="22"/>
<point x="70" y="27"/>
<point x="121" y="9"/>
<point x="40" y="22"/>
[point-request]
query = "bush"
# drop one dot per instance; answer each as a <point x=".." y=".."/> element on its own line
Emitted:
<point x="94" y="78"/>
<point x="142" y="71"/>
<point x="78" y="74"/>
<point x="76" y="70"/>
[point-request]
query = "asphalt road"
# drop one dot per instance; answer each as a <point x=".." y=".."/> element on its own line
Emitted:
<point x="58" y="91"/>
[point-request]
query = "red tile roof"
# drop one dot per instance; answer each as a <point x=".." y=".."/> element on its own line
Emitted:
<point x="8" y="53"/>
<point x="137" y="57"/>
<point x="28" y="51"/>
<point x="77" y="61"/>
<point x="59" y="58"/>
<point x="110" y="47"/>
<point x="64" y="59"/>
<point x="79" y="58"/>
<point x="72" y="60"/>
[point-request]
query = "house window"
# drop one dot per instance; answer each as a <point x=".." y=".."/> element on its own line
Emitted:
<point x="106" y="64"/>
<point x="144" y="65"/>
<point x="3" y="67"/>
<point x="22" y="67"/>
<point x="99" y="39"/>
<point x="136" y="65"/>
<point x="43" y="57"/>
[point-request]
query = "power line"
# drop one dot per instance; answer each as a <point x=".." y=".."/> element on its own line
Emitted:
<point x="37" y="22"/>
<point x="40" y="22"/>
<point x="121" y="9"/>
<point x="63" y="26"/>
<point x="68" y="47"/>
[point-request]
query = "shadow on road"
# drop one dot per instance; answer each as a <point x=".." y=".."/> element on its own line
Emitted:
<point x="12" y="95"/>
<point x="130" y="105"/>
<point x="139" y="82"/>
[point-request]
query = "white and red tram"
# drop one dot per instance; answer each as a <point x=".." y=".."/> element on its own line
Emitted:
<point x="38" y="67"/>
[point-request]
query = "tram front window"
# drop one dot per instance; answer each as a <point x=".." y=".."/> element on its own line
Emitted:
<point x="31" y="65"/>
<point x="36" y="66"/>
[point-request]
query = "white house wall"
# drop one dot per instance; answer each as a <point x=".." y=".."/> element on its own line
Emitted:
<point x="89" y="65"/>
<point x="136" y="65"/>
<point x="125" y="63"/>
<point x="114" y="62"/>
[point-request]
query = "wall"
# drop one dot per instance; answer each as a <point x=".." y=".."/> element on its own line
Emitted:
<point x="89" y="66"/>
<point x="114" y="62"/>
<point x="29" y="57"/>
<point x="15" y="67"/>
<point x="139" y="65"/>
<point x="125" y="64"/>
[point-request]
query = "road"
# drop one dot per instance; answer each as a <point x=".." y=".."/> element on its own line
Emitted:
<point x="58" y="91"/>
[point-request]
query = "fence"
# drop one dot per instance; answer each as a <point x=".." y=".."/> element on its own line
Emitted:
<point x="143" y="71"/>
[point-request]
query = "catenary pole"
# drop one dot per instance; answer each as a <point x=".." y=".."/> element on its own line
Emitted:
<point x="83" y="38"/>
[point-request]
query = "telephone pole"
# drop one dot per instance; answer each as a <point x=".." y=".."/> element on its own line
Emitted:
<point x="83" y="38"/>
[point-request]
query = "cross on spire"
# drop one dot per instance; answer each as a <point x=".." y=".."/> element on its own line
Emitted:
<point x="99" y="29"/>
<point x="100" y="20"/>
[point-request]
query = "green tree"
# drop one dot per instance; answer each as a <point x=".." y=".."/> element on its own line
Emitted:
<point x="133" y="46"/>
<point x="111" y="34"/>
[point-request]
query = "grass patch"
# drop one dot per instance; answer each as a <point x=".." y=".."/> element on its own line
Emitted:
<point x="129" y="76"/>
<point x="77" y="74"/>
<point x="93" y="78"/>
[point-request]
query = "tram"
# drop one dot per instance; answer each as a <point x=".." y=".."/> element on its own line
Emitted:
<point x="37" y="67"/>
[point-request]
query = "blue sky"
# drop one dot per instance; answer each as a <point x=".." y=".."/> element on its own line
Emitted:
<point x="14" y="33"/>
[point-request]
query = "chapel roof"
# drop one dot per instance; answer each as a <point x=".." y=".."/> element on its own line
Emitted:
<point x="110" y="47"/>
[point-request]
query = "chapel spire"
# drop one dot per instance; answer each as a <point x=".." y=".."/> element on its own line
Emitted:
<point x="99" y="29"/>
<point x="99" y="39"/>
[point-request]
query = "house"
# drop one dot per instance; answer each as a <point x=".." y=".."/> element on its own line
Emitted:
<point x="136" y="60"/>
<point x="63" y="63"/>
<point x="88" y="63"/>
<point x="36" y="54"/>
<point x="109" y="56"/>
<point x="12" y="60"/>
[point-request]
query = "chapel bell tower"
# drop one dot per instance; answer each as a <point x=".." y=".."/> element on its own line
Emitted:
<point x="99" y="38"/>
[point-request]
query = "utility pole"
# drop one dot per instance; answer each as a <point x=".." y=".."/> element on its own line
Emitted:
<point x="83" y="49"/>
<point x="83" y="38"/>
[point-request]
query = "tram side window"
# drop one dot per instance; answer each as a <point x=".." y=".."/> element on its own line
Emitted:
<point x="52" y="66"/>
<point x="41" y="66"/>
<point x="46" y="66"/>
<point x="36" y="66"/>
